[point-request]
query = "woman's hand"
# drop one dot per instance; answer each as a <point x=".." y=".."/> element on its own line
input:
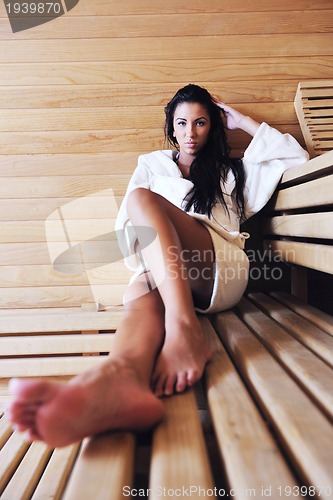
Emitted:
<point x="232" y="116"/>
<point x="236" y="120"/>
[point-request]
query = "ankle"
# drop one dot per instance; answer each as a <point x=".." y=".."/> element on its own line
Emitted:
<point x="133" y="366"/>
<point x="179" y="319"/>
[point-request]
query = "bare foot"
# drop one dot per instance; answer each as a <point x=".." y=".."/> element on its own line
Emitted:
<point x="110" y="396"/>
<point x="182" y="359"/>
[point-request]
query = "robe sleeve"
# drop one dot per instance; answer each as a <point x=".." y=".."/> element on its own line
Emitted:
<point x="140" y="179"/>
<point x="268" y="156"/>
<point x="126" y="235"/>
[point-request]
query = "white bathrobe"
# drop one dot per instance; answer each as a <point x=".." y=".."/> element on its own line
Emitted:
<point x="268" y="156"/>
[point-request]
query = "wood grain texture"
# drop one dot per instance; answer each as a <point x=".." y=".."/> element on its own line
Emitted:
<point x="114" y="8"/>
<point x="135" y="26"/>
<point x="288" y="409"/>
<point x="113" y="459"/>
<point x="179" y="456"/>
<point x="252" y="459"/>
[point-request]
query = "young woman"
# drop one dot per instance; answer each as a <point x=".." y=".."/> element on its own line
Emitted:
<point x="193" y="198"/>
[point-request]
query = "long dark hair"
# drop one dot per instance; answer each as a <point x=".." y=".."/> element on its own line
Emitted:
<point x="213" y="162"/>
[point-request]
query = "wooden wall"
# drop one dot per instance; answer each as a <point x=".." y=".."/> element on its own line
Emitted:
<point x="83" y="95"/>
<point x="96" y="80"/>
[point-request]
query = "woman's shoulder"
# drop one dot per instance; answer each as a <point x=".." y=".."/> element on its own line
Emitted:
<point x="158" y="162"/>
<point x="162" y="154"/>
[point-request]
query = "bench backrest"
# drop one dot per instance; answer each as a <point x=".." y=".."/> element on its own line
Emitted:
<point x="298" y="224"/>
<point x="314" y="104"/>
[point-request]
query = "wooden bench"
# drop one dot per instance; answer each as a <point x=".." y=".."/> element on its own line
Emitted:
<point x="313" y="105"/>
<point x="259" y="424"/>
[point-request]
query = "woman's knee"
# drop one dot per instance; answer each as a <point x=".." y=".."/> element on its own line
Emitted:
<point x="139" y="197"/>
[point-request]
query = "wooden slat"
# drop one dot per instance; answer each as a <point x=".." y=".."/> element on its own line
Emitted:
<point x="319" y="257"/>
<point x="306" y="333"/>
<point x="179" y="457"/>
<point x="81" y="119"/>
<point x="55" y="344"/>
<point x="32" y="209"/>
<point x="19" y="254"/>
<point x="65" y="186"/>
<point x="103" y="468"/>
<point x="305" y="195"/>
<point x="47" y="366"/>
<point x="129" y="117"/>
<point x="43" y="275"/>
<point x="309" y="112"/>
<point x="169" y="24"/>
<point x="32" y="312"/>
<point x="165" y="70"/>
<point x="304" y="432"/>
<point x="22" y="254"/>
<point x="11" y="455"/>
<point x="318" y="108"/>
<point x="55" y="476"/>
<point x="317" y="225"/>
<point x="324" y="144"/>
<point x="295" y="358"/>
<point x="29" y="51"/>
<point x="158" y="94"/>
<point x="315" y="87"/>
<point x="39" y="321"/>
<point x="319" y="318"/>
<point x="314" y="168"/>
<point x="67" y="164"/>
<point x="251" y="457"/>
<point x="54" y="296"/>
<point x="103" y="8"/>
<point x="26" y="476"/>
<point x="93" y="141"/>
<point x="76" y="230"/>
<point x="96" y="141"/>
<point x="5" y="430"/>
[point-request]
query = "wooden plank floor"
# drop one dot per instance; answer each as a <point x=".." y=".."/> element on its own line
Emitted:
<point x="259" y="423"/>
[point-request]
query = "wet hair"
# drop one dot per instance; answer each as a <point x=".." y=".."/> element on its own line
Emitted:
<point x="212" y="164"/>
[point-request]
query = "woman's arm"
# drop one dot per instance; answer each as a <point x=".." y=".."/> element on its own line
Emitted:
<point x="236" y="120"/>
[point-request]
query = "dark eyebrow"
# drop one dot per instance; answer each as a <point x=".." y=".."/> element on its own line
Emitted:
<point x="200" y="118"/>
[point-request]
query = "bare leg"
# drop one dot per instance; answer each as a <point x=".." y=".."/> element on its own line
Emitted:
<point x="181" y="237"/>
<point x="115" y="394"/>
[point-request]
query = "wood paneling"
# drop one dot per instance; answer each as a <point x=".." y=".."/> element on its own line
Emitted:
<point x="175" y="48"/>
<point x="135" y="26"/>
<point x="116" y="8"/>
<point x="82" y="96"/>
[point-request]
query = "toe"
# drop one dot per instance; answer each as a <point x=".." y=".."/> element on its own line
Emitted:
<point x="159" y="386"/>
<point x="181" y="382"/>
<point x="17" y="412"/>
<point x="31" y="391"/>
<point x="31" y="435"/>
<point x="169" y="386"/>
<point x="192" y="377"/>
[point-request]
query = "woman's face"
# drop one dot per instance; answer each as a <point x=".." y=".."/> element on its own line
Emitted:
<point x="191" y="124"/>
